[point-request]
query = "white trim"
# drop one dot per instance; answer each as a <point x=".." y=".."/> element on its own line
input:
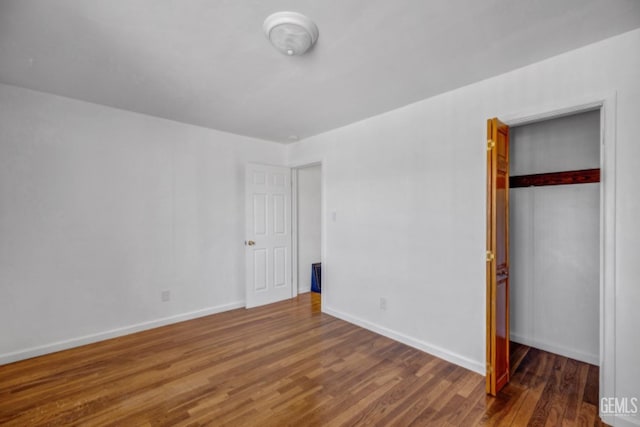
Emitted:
<point x="472" y="365"/>
<point x="583" y="107"/>
<point x="557" y="349"/>
<point x="620" y="420"/>
<point x="607" y="105"/>
<point x="323" y="233"/>
<point x="608" y="247"/>
<point x="113" y="333"/>
<point x="295" y="290"/>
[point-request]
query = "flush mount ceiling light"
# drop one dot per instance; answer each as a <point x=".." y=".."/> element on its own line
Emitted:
<point x="290" y="32"/>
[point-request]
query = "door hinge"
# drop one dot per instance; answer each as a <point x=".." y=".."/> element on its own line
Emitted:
<point x="490" y="144"/>
<point x="490" y="256"/>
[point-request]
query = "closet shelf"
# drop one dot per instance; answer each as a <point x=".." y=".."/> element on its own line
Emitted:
<point x="583" y="176"/>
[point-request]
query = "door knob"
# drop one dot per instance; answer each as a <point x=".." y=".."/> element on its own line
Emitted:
<point x="250" y="243"/>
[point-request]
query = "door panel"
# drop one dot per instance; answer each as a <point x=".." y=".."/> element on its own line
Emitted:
<point x="279" y="267"/>
<point x="279" y="216"/>
<point x="259" y="214"/>
<point x="259" y="269"/>
<point x="268" y="234"/>
<point x="497" y="255"/>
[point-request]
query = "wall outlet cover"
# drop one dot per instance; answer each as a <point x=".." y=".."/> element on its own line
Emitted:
<point x="165" y="296"/>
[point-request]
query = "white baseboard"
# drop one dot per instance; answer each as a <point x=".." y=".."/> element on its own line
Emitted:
<point x="447" y="355"/>
<point x="113" y="333"/>
<point x="622" y="421"/>
<point x="593" y="359"/>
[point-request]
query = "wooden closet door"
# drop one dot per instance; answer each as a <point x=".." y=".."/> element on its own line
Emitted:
<point x="497" y="255"/>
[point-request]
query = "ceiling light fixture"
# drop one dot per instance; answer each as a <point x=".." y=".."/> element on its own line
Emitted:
<point x="290" y="32"/>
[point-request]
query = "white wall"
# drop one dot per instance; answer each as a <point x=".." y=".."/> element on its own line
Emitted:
<point x="101" y="210"/>
<point x="555" y="239"/>
<point x="408" y="190"/>
<point x="309" y="217"/>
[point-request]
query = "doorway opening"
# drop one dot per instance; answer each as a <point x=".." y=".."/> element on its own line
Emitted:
<point x="554" y="235"/>
<point x="554" y="244"/>
<point x="307" y="235"/>
<point x="602" y="111"/>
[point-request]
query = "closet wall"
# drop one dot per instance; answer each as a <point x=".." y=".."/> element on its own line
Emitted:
<point x="554" y="239"/>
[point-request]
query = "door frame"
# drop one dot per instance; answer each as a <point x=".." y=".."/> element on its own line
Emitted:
<point x="294" y="226"/>
<point x="606" y="104"/>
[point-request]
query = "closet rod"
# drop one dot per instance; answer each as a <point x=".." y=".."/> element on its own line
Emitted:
<point x="584" y="176"/>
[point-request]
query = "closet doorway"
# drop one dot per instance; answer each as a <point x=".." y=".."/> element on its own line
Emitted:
<point x="555" y="235"/>
<point x="544" y="240"/>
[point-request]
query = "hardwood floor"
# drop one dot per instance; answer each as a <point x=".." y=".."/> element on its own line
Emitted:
<point x="284" y="364"/>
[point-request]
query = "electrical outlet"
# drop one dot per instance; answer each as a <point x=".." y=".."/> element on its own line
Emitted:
<point x="383" y="303"/>
<point x="165" y="296"/>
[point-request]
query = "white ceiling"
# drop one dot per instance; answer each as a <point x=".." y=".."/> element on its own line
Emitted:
<point x="207" y="62"/>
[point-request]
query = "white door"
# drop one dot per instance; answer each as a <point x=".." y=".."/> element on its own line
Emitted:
<point x="268" y="234"/>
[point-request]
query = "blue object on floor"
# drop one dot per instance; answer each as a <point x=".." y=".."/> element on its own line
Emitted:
<point x="316" y="277"/>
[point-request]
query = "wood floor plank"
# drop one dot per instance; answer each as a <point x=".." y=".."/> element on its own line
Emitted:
<point x="284" y="364"/>
<point x="573" y="406"/>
